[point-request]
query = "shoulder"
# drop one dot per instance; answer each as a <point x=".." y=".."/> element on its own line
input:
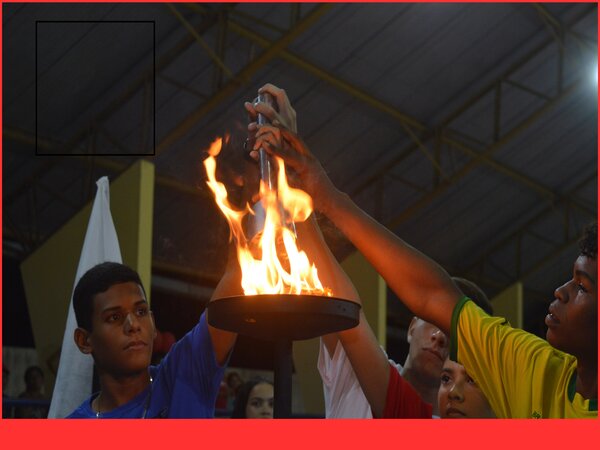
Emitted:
<point x="80" y="413"/>
<point x="474" y="330"/>
<point x="402" y="401"/>
<point x="84" y="411"/>
<point x="468" y="317"/>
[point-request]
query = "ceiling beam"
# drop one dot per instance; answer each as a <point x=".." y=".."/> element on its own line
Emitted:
<point x="412" y="126"/>
<point x="443" y="131"/>
<point x="178" y="271"/>
<point x="163" y="61"/>
<point x="518" y="233"/>
<point x="411" y="210"/>
<point x="218" y="60"/>
<point x="242" y="77"/>
<point x="95" y="160"/>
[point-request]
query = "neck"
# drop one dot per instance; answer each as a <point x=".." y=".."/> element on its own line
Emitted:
<point x="587" y="378"/>
<point x="116" y="391"/>
<point x="425" y="387"/>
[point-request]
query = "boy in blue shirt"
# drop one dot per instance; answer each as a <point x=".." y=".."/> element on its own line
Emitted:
<point x="116" y="326"/>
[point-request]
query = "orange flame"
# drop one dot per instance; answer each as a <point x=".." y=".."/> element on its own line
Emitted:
<point x="280" y="268"/>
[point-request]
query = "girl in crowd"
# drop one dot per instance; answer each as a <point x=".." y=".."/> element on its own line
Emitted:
<point x="254" y="400"/>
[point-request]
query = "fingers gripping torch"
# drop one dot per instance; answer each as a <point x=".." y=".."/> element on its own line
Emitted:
<point x="264" y="160"/>
<point x="256" y="223"/>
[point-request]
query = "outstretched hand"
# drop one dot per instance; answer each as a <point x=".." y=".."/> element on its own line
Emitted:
<point x="307" y="171"/>
<point x="284" y="113"/>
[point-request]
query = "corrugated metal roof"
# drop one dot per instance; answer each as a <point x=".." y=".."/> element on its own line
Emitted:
<point x="423" y="61"/>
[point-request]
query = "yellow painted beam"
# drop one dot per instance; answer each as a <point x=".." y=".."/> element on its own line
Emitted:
<point x="307" y="376"/>
<point x="132" y="203"/>
<point x="509" y="304"/>
<point x="373" y="293"/>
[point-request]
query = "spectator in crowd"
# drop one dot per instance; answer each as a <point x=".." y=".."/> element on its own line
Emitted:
<point x="34" y="390"/>
<point x="254" y="400"/>
<point x="6" y="411"/>
<point x="234" y="382"/>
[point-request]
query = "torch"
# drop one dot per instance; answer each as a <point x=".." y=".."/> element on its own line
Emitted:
<point x="264" y="162"/>
<point x="255" y="223"/>
<point x="283" y="299"/>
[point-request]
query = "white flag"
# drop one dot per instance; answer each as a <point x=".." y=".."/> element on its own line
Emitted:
<point x="75" y="370"/>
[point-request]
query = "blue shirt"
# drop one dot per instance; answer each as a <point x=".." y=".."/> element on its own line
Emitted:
<point x="185" y="383"/>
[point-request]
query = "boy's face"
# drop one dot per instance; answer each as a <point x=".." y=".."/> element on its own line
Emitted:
<point x="459" y="396"/>
<point x="260" y="402"/>
<point x="123" y="330"/>
<point x="428" y="348"/>
<point x="572" y="318"/>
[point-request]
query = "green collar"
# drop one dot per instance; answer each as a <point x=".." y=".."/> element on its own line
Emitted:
<point x="593" y="403"/>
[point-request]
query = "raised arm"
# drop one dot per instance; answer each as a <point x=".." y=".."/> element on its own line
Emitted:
<point x="366" y="356"/>
<point x="229" y="285"/>
<point x="423" y="286"/>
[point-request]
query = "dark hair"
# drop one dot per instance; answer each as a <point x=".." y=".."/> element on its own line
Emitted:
<point x="588" y="244"/>
<point x="95" y="281"/>
<point x="32" y="369"/>
<point x="230" y="375"/>
<point x="241" y="399"/>
<point x="475" y="293"/>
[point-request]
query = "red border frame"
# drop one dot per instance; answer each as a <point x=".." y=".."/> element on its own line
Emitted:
<point x="295" y="434"/>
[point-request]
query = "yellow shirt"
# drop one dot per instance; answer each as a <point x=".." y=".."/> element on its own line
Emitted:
<point x="521" y="375"/>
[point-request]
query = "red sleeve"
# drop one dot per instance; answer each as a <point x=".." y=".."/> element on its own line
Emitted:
<point x="402" y="400"/>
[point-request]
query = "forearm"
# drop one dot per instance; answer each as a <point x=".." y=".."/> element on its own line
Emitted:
<point x="229" y="285"/>
<point x="424" y="287"/>
<point x="369" y="363"/>
<point x="331" y="274"/>
<point x="422" y="284"/>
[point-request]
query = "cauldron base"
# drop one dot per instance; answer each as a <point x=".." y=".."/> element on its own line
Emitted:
<point x="283" y="316"/>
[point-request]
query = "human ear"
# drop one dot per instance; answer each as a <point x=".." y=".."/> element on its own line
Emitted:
<point x="411" y="327"/>
<point x="82" y="340"/>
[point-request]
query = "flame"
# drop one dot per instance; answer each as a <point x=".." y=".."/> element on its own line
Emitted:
<point x="276" y="266"/>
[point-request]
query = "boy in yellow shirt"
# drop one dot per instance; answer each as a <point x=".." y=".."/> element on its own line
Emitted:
<point x="521" y="375"/>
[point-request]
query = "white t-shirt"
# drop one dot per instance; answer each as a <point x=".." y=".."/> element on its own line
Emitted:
<point x="344" y="398"/>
